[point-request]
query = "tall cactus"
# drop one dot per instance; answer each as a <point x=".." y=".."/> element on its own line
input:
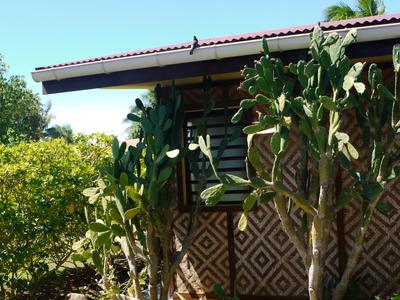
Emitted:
<point x="314" y="96"/>
<point x="142" y="192"/>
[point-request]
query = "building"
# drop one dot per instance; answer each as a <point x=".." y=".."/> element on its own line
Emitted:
<point x="260" y="262"/>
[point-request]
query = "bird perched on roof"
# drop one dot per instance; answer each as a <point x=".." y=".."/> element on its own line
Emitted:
<point x="195" y="44"/>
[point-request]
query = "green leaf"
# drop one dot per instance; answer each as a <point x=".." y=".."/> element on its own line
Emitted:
<point x="267" y="197"/>
<point x="247" y="103"/>
<point x="79" y="244"/>
<point x="254" y="158"/>
<point x="233" y="180"/>
<point x="213" y="194"/>
<point x="97" y="261"/>
<point x="162" y="154"/>
<point x="385" y="92"/>
<point x="98" y="227"/>
<point x="93" y="199"/>
<point x="342" y="136"/>
<point x="348" y="83"/>
<point x="265" y="46"/>
<point x="383" y="208"/>
<point x="193" y="146"/>
<point x="139" y="104"/>
<point x="281" y="101"/>
<point x="117" y="230"/>
<point x="173" y="153"/>
<point x="165" y="173"/>
<point x="328" y="103"/>
<point x="123" y="180"/>
<point x="115" y="216"/>
<point x="249" y="202"/>
<point x="360" y="87"/>
<point x="103" y="238"/>
<point x="352" y="151"/>
<point x="276" y="143"/>
<point x="115" y="148"/>
<point x="131" y="213"/>
<point x="356" y="70"/>
<point x="261" y="99"/>
<point x="395" y="173"/>
<point x="350" y="38"/>
<point x="243" y="221"/>
<point x="90" y="191"/>
<point x="78" y="257"/>
<point x="203" y="146"/>
<point x="251" y="129"/>
<point x="257" y="182"/>
<point x="321" y="137"/>
<point x="305" y="128"/>
<point x="237" y="116"/>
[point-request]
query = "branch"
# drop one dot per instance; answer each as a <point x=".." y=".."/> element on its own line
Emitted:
<point x="341" y="288"/>
<point x="289" y="228"/>
<point x="297" y="198"/>
<point x="187" y="241"/>
<point x="131" y="241"/>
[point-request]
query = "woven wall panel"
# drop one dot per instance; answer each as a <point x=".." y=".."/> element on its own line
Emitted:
<point x="378" y="271"/>
<point x="267" y="263"/>
<point x="207" y="261"/>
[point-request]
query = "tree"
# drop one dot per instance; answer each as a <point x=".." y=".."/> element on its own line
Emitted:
<point x="314" y="97"/>
<point x="364" y="8"/>
<point x="58" y="131"/>
<point x="41" y="205"/>
<point x="22" y="116"/>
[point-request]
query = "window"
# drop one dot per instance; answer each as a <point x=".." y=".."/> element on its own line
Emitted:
<point x="232" y="159"/>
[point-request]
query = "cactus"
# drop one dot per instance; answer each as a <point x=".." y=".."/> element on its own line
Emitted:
<point x="141" y="192"/>
<point x="315" y="96"/>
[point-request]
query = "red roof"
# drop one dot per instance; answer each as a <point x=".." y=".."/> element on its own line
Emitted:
<point x="358" y="22"/>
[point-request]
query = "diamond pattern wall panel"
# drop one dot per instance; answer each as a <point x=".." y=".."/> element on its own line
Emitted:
<point x="267" y="262"/>
<point x="378" y="271"/>
<point x="207" y="261"/>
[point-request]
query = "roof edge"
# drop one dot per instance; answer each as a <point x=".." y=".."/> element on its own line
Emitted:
<point x="298" y="40"/>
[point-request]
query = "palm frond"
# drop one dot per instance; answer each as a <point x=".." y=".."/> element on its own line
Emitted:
<point x="342" y="11"/>
<point x="370" y="8"/>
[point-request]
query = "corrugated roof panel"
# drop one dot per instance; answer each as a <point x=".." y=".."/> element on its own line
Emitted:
<point x="358" y="22"/>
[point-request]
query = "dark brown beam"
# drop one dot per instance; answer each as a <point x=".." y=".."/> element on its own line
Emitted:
<point x="209" y="67"/>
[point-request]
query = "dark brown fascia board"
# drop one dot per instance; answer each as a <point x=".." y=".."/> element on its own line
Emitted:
<point x="210" y="67"/>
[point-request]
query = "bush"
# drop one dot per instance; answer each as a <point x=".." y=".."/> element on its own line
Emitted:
<point x="41" y="205"/>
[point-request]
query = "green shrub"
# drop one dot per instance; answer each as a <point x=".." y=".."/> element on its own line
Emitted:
<point x="41" y="205"/>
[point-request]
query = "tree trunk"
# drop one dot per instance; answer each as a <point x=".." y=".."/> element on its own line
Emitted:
<point x="152" y="246"/>
<point x="166" y="270"/>
<point x="133" y="274"/>
<point x="318" y="231"/>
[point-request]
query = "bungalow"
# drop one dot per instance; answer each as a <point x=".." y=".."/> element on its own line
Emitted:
<point x="260" y="263"/>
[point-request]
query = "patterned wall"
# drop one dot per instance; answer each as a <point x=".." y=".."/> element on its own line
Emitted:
<point x="207" y="261"/>
<point x="265" y="261"/>
<point x="378" y="271"/>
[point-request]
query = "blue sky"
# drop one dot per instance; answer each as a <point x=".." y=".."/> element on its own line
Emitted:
<point x="43" y="32"/>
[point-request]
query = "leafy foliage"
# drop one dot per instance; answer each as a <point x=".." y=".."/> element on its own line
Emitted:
<point x="22" y="116"/>
<point x="41" y="205"/>
<point x="364" y="8"/>
<point x="58" y="131"/>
